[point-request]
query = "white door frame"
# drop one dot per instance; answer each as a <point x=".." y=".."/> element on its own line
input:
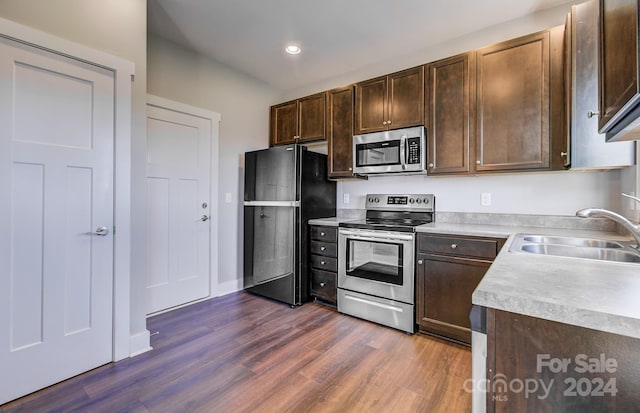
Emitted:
<point x="214" y="118"/>
<point x="123" y="71"/>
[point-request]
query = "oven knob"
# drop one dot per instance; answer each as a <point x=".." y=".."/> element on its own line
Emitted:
<point x="419" y="200"/>
<point x="377" y="200"/>
<point x="426" y="201"/>
<point x="411" y="200"/>
<point x="370" y="199"/>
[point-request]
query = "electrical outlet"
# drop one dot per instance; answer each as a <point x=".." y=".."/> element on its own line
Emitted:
<point x="485" y="199"/>
<point x="346" y="198"/>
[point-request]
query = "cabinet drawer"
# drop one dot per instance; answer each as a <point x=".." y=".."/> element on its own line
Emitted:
<point x="324" y="285"/>
<point x="327" y="234"/>
<point x="468" y="247"/>
<point x="324" y="263"/>
<point x="328" y="249"/>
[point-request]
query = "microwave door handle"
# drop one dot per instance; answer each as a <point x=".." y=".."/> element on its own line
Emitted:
<point x="403" y="151"/>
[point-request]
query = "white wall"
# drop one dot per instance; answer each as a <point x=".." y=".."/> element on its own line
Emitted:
<point x="243" y="102"/>
<point x="544" y="193"/>
<point x="117" y="27"/>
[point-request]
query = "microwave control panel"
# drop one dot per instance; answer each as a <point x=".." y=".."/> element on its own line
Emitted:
<point x="413" y="157"/>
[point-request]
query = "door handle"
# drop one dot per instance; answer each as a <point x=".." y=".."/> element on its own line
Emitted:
<point x="204" y="218"/>
<point x="101" y="232"/>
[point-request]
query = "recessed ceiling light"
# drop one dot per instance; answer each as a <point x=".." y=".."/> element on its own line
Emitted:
<point x="292" y="49"/>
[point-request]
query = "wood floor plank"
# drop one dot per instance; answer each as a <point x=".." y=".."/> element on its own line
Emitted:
<point x="243" y="353"/>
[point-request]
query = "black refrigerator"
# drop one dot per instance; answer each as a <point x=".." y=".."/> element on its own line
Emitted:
<point x="284" y="187"/>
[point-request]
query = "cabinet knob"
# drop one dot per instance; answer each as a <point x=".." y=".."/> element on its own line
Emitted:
<point x="388" y="122"/>
<point x="351" y="169"/>
<point x="322" y="263"/>
<point x="322" y="234"/>
<point x="454" y="246"/>
<point x="384" y="122"/>
<point x="591" y="114"/>
<point x="563" y="154"/>
<point x="431" y="165"/>
<point x="478" y="162"/>
<point x="419" y="262"/>
<point x="322" y="284"/>
<point x="323" y="248"/>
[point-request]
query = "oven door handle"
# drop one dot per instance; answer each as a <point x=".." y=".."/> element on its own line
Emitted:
<point x="373" y="236"/>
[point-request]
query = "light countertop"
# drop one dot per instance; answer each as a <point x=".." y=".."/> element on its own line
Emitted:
<point x="601" y="295"/>
<point x="331" y="221"/>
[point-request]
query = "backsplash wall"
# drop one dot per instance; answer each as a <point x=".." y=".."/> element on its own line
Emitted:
<point x="543" y="193"/>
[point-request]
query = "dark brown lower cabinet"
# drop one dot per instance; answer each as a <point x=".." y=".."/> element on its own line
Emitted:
<point x="445" y="285"/>
<point x="448" y="269"/>
<point x="536" y="365"/>
<point x="323" y="263"/>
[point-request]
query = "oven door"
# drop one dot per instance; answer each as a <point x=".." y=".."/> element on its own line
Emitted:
<point x="379" y="263"/>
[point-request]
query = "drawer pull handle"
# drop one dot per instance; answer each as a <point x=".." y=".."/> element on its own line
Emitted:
<point x="454" y="246"/>
<point x="322" y="234"/>
<point x="322" y="284"/>
<point x="323" y="248"/>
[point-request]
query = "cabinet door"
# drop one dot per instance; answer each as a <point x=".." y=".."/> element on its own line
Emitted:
<point x="448" y="114"/>
<point x="513" y="104"/>
<point x="619" y="88"/>
<point x="340" y="132"/>
<point x="311" y="112"/>
<point x="284" y="123"/>
<point x="445" y="285"/>
<point x="406" y="98"/>
<point x="371" y="105"/>
<point x="590" y="370"/>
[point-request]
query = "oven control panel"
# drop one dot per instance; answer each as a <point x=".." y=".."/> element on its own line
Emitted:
<point x="401" y="202"/>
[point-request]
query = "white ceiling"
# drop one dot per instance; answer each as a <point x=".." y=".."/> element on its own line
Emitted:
<point x="336" y="36"/>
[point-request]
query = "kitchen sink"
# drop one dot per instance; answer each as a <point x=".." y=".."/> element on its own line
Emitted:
<point x="570" y="247"/>
<point x="574" y="242"/>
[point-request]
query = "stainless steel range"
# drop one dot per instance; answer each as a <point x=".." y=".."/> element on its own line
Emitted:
<point x="376" y="259"/>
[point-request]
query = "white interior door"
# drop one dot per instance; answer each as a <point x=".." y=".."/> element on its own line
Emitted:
<point x="178" y="205"/>
<point x="56" y="186"/>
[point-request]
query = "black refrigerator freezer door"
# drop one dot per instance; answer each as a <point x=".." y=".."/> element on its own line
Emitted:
<point x="271" y="174"/>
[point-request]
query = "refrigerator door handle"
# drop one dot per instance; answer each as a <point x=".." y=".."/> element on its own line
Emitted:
<point x="272" y="203"/>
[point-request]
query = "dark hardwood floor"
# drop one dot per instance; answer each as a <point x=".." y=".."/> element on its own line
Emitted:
<point x="244" y="353"/>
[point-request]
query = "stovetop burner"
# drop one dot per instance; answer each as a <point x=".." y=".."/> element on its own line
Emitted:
<point x="400" y="213"/>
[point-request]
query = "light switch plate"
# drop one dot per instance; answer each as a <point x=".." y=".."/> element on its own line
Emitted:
<point x="346" y="198"/>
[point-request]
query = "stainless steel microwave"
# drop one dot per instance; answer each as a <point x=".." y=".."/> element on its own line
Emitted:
<point x="393" y="151"/>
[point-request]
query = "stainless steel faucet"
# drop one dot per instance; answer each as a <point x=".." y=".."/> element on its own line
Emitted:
<point x="604" y="213"/>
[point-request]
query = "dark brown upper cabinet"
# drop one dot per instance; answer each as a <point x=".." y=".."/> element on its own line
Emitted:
<point x="340" y="132"/>
<point x="390" y="102"/>
<point x="449" y="92"/>
<point x="520" y="102"/>
<point x="619" y="88"/>
<point x="300" y="120"/>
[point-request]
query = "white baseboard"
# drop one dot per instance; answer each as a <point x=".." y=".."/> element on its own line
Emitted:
<point x="229" y="287"/>
<point x="139" y="343"/>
